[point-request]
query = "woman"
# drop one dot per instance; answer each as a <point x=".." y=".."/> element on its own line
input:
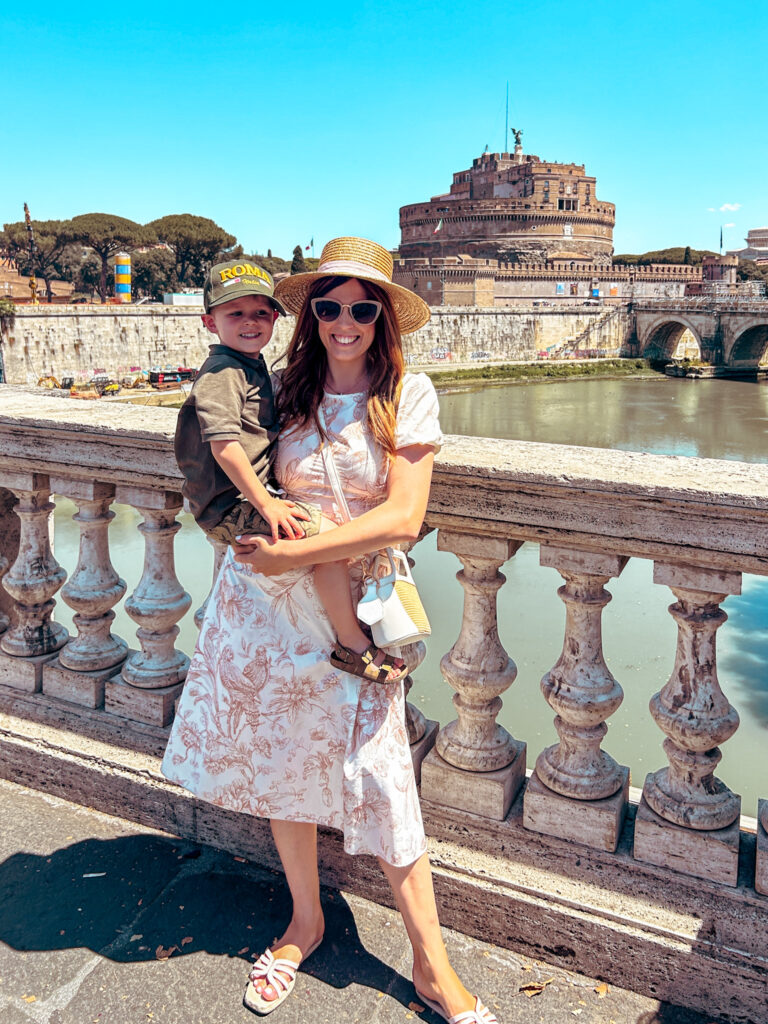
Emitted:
<point x="266" y="725"/>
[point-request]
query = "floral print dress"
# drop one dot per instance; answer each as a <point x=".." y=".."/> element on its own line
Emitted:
<point x="265" y="724"/>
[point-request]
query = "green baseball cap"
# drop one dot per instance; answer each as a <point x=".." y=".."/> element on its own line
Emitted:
<point x="236" y="278"/>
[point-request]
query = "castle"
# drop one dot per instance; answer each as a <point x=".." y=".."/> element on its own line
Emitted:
<point x="515" y="227"/>
<point x="512" y="207"/>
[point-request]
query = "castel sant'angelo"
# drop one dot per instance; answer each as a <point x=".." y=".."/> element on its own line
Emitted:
<point x="512" y="207"/>
<point x="516" y="227"/>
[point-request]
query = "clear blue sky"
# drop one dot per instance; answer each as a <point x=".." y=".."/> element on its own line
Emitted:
<point x="288" y="121"/>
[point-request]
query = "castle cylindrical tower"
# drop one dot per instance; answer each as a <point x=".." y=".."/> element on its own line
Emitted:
<point x="123" y="277"/>
<point x="512" y="207"/>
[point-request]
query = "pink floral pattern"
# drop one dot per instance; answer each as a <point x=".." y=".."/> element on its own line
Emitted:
<point x="265" y="725"/>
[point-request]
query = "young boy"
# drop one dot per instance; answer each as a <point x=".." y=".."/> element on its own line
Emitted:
<point x="225" y="446"/>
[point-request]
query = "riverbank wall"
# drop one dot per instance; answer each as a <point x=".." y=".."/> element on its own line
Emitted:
<point x="80" y="341"/>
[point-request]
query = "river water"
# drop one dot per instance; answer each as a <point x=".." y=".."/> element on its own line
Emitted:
<point x="714" y="419"/>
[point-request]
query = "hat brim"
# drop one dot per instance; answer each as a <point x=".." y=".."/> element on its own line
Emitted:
<point x="411" y="311"/>
<point x="275" y="303"/>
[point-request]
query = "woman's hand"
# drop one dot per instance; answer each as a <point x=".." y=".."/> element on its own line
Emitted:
<point x="265" y="555"/>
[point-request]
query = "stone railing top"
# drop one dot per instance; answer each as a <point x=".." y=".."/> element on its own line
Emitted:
<point x="706" y="512"/>
<point x="96" y="309"/>
<point x="633" y="474"/>
<point x="39" y="410"/>
<point x="714" y="303"/>
<point x="117" y="441"/>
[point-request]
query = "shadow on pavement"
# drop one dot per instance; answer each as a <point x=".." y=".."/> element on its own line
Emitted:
<point x="144" y="898"/>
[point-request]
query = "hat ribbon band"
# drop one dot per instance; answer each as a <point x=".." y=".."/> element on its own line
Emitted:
<point x="351" y="268"/>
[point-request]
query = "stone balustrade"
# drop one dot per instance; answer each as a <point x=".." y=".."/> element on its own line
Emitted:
<point x="701" y="522"/>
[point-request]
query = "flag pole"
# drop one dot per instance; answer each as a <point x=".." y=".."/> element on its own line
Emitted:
<point x="506" y="124"/>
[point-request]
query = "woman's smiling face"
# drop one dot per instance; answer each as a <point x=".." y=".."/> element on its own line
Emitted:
<point x="345" y="341"/>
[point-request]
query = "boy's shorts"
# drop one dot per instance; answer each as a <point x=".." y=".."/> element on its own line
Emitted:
<point x="244" y="519"/>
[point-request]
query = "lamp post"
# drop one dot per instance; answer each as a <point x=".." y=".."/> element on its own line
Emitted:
<point x="32" y="251"/>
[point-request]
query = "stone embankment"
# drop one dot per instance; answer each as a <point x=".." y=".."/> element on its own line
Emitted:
<point x="79" y="341"/>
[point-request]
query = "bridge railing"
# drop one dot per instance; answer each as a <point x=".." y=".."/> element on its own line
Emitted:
<point x="704" y="303"/>
<point x="701" y="522"/>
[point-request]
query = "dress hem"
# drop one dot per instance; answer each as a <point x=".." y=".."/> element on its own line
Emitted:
<point x="353" y="849"/>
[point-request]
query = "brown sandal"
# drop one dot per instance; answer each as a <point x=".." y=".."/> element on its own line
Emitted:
<point x="364" y="664"/>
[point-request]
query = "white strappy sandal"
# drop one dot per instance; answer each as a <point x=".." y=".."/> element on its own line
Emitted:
<point x="480" y="1015"/>
<point x="279" y="973"/>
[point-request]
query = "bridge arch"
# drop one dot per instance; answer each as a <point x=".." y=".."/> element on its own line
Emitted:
<point x="663" y="335"/>
<point x="749" y="345"/>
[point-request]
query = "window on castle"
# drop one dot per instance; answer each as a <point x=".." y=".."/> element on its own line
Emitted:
<point x="567" y="204"/>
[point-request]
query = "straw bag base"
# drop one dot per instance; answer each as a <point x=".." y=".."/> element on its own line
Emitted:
<point x="404" y="620"/>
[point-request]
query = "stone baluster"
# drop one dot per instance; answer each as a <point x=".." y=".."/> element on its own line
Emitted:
<point x="476" y="765"/>
<point x="421" y="731"/>
<point x="9" y="545"/>
<point x="89" y="659"/>
<point x="219" y="550"/>
<point x="413" y="655"/>
<point x="4" y="620"/>
<point x="689" y="819"/>
<point x="33" y="637"/>
<point x="151" y="678"/>
<point x="761" y="865"/>
<point x="582" y="693"/>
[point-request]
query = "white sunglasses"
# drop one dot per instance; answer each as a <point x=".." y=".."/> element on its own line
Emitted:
<point x="363" y="312"/>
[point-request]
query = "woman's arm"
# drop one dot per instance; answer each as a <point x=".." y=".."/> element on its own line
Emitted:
<point x="397" y="519"/>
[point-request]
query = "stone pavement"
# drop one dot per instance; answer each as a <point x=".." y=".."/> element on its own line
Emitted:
<point x="105" y="922"/>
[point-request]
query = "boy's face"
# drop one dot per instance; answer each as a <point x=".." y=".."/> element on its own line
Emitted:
<point x="244" y="324"/>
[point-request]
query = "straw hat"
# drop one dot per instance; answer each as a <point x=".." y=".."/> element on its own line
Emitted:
<point x="369" y="261"/>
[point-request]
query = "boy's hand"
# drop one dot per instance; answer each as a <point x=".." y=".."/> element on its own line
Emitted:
<point x="284" y="516"/>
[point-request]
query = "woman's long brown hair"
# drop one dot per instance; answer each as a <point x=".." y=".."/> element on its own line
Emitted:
<point x="302" y="382"/>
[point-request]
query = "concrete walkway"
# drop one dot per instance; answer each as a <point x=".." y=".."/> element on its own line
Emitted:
<point x="105" y="922"/>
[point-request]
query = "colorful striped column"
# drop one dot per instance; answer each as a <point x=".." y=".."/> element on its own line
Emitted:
<point x="123" y="277"/>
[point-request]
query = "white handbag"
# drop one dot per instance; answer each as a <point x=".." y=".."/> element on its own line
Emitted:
<point x="390" y="604"/>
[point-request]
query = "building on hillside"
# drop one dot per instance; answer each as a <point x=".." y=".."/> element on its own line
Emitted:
<point x="15" y="286"/>
<point x="512" y="207"/>
<point x="757" y="246"/>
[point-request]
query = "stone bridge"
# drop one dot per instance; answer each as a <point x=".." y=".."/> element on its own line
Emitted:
<point x="547" y="850"/>
<point x="729" y="332"/>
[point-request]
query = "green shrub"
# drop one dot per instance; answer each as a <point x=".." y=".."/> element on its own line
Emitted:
<point x="539" y="371"/>
<point x="7" y="314"/>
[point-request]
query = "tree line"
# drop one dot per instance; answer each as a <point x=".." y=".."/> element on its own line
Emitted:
<point x="167" y="254"/>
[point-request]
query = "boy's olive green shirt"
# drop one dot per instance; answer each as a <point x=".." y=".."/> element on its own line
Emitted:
<point x="231" y="400"/>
